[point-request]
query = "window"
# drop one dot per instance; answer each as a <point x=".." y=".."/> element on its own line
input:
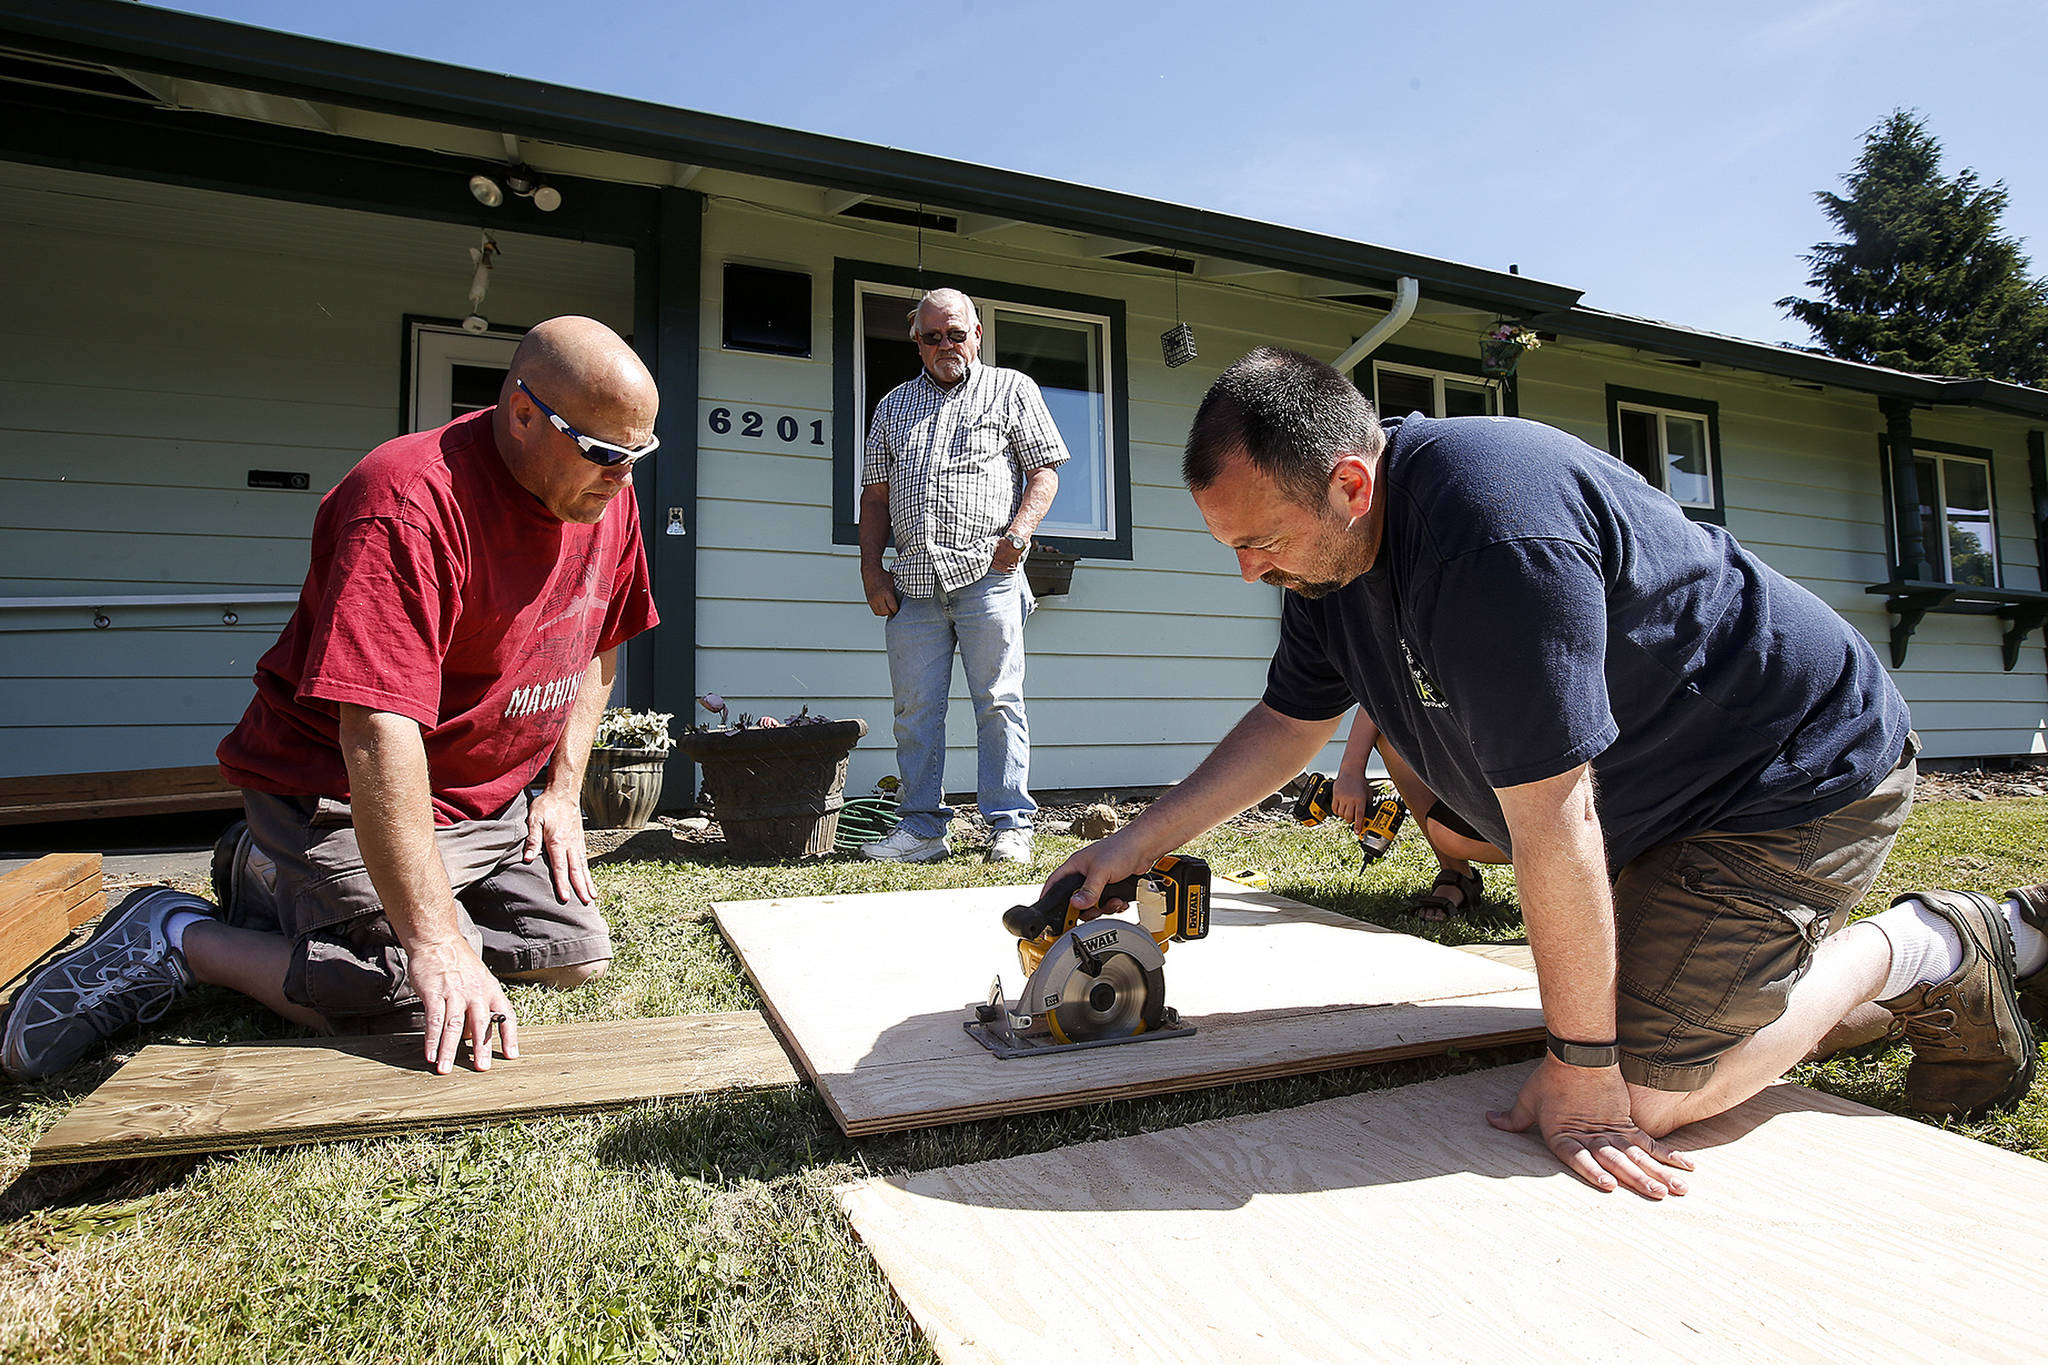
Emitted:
<point x="452" y="372"/>
<point x="1674" y="443"/>
<point x="1401" y="389"/>
<point x="1400" y="380"/>
<point x="1958" y="526"/>
<point x="1065" y="342"/>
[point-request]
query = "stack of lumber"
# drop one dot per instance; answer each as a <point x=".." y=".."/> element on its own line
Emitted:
<point x="41" y="904"/>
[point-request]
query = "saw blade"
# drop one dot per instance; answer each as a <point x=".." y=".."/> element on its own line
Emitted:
<point x="1110" y="1004"/>
<point x="1103" y="980"/>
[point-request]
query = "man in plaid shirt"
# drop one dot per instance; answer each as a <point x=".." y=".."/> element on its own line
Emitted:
<point x="961" y="463"/>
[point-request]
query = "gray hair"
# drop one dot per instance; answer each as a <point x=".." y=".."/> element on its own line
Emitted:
<point x="944" y="298"/>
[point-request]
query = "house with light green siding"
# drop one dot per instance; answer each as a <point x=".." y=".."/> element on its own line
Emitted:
<point x="239" y="259"/>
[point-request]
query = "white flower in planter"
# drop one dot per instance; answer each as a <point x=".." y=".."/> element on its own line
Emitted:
<point x="621" y="727"/>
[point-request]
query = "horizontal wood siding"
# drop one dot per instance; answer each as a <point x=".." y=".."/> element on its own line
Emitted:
<point x="165" y="342"/>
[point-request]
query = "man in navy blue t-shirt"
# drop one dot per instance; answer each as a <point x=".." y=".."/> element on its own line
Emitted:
<point x="1697" y="767"/>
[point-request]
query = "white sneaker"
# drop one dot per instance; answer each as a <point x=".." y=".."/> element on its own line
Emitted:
<point x="904" y="847"/>
<point x="1010" y="846"/>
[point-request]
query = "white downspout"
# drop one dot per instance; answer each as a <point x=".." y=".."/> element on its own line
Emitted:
<point x="1406" y="293"/>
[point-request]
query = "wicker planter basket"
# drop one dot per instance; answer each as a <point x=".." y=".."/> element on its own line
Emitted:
<point x="776" y="792"/>
<point x="621" y="787"/>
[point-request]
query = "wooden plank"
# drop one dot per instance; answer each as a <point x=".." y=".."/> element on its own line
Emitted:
<point x="172" y="1100"/>
<point x="1399" y="1226"/>
<point x="41" y="903"/>
<point x="1277" y="989"/>
<point x="91" y="796"/>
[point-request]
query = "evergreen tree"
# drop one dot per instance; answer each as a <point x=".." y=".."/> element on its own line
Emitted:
<point x="1924" y="279"/>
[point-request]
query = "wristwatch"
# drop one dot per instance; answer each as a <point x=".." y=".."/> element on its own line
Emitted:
<point x="1583" y="1054"/>
<point x="1016" y="541"/>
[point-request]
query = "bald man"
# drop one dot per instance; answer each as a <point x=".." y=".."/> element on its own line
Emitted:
<point x="454" y="645"/>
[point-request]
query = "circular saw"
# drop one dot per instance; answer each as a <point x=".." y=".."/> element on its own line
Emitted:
<point x="1096" y="982"/>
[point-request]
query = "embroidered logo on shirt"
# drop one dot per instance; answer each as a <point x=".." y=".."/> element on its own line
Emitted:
<point x="1425" y="690"/>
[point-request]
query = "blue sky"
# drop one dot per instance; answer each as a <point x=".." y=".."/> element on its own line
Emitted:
<point x="1661" y="158"/>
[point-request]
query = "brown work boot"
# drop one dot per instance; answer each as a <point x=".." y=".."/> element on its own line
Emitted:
<point x="1972" y="1048"/>
<point x="2033" y="989"/>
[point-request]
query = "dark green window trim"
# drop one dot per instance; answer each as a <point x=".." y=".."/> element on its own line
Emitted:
<point x="1706" y="408"/>
<point x="2019" y="611"/>
<point x="1923" y="446"/>
<point x="1443" y="362"/>
<point x="848" y="274"/>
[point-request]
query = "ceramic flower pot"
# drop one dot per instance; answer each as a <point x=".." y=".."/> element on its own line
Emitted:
<point x="621" y="787"/>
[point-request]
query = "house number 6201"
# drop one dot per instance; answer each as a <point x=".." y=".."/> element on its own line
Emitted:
<point x="754" y="426"/>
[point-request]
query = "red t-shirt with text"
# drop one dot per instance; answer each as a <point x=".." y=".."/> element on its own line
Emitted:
<point x="441" y="590"/>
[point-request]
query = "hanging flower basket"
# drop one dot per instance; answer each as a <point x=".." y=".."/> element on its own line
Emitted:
<point x="1501" y="349"/>
<point x="1498" y="358"/>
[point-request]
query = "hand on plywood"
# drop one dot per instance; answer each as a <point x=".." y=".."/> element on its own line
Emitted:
<point x="461" y="999"/>
<point x="1582" y="1114"/>
<point x="554" y="826"/>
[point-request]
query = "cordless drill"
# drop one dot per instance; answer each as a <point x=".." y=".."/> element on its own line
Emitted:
<point x="1318" y="794"/>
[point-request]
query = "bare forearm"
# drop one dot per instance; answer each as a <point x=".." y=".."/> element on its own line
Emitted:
<point x="1039" y="487"/>
<point x="1561" y="874"/>
<point x="874" y="526"/>
<point x="572" y="751"/>
<point x="1258" y="756"/>
<point x="392" y="800"/>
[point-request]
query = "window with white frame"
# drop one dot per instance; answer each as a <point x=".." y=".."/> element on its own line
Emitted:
<point x="1064" y="342"/>
<point x="1399" y="389"/>
<point x="1673" y="442"/>
<point x="1958" y="524"/>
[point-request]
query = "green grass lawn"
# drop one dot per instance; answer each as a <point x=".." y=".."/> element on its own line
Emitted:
<point x="688" y="1230"/>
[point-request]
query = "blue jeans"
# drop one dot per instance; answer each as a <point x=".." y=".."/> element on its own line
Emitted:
<point x="986" y="620"/>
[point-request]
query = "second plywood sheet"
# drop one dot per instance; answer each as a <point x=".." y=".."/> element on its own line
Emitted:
<point x="1398" y="1226"/>
<point x="871" y="991"/>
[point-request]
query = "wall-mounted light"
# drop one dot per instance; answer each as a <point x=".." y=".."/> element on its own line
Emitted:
<point x="522" y="180"/>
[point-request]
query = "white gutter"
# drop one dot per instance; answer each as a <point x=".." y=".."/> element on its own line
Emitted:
<point x="1406" y="293"/>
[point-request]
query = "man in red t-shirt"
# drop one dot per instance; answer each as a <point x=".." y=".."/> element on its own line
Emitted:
<point x="454" y="645"/>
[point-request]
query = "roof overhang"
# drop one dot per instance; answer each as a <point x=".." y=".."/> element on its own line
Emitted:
<point x="1804" y="366"/>
<point x="311" y="72"/>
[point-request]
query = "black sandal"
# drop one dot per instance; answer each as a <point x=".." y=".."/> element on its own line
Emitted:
<point x="1436" y="908"/>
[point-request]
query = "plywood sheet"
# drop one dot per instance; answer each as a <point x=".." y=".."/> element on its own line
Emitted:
<point x="871" y="991"/>
<point x="1399" y="1226"/>
<point x="173" y="1099"/>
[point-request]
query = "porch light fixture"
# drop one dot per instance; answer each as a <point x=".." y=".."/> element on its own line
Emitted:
<point x="522" y="180"/>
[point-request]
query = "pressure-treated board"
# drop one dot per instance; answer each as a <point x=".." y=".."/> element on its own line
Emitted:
<point x="1399" y="1226"/>
<point x="871" y="991"/>
<point x="173" y="1099"/>
<point x="41" y="903"/>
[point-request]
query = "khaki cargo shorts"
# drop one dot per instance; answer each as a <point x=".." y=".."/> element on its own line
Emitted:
<point x="1712" y="932"/>
<point x="347" y="964"/>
